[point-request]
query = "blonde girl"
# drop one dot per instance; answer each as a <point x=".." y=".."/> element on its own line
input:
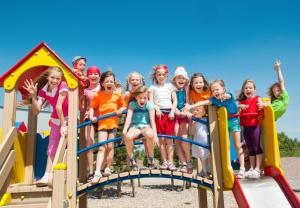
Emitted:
<point x="50" y="88"/>
<point x="181" y="81"/>
<point x="106" y="101"/>
<point x="134" y="80"/>
<point x="221" y="98"/>
<point x="163" y="96"/>
<point x="140" y="120"/>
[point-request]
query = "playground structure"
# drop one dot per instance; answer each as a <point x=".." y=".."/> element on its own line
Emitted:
<point x="68" y="188"/>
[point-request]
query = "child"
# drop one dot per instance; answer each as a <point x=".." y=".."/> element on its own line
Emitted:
<point x="140" y="120"/>
<point x="134" y="80"/>
<point x="222" y="99"/>
<point x="93" y="75"/>
<point x="50" y="88"/>
<point x="200" y="134"/>
<point x="278" y="94"/>
<point x="105" y="102"/>
<point x="181" y="81"/>
<point x="251" y="129"/>
<point x="163" y="96"/>
<point x="79" y="64"/>
<point x="199" y="89"/>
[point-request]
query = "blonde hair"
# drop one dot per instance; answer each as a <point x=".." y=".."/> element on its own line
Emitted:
<point x="142" y="79"/>
<point x="242" y="96"/>
<point x="219" y="81"/>
<point x="141" y="89"/>
<point x="154" y="70"/>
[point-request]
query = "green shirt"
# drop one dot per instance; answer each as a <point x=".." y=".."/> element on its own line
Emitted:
<point x="280" y="105"/>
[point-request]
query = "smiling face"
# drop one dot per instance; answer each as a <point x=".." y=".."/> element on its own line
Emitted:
<point x="142" y="99"/>
<point x="199" y="112"/>
<point x="108" y="84"/>
<point x="94" y="78"/>
<point x="80" y="65"/>
<point x="54" y="79"/>
<point x="161" y="76"/>
<point x="180" y="82"/>
<point x="217" y="90"/>
<point x="135" y="81"/>
<point x="276" y="91"/>
<point x="249" y="89"/>
<point x="198" y="84"/>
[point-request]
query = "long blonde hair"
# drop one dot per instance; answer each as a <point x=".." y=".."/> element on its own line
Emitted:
<point x="142" y="79"/>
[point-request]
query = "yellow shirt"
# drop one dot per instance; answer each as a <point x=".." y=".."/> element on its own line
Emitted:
<point x="106" y="103"/>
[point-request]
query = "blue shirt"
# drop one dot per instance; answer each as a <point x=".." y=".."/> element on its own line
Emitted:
<point x="229" y="104"/>
<point x="140" y="116"/>
<point x="181" y="98"/>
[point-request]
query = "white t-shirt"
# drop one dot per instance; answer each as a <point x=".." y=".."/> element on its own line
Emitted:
<point x="162" y="95"/>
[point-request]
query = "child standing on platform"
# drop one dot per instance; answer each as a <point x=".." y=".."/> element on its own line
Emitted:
<point x="106" y="101"/>
<point x="223" y="99"/>
<point x="140" y="120"/>
<point x="79" y="64"/>
<point x="249" y="103"/>
<point x="50" y="88"/>
<point x="134" y="80"/>
<point x="93" y="75"/>
<point x="163" y="96"/>
<point x="200" y="135"/>
<point x="181" y="81"/>
<point x="279" y="95"/>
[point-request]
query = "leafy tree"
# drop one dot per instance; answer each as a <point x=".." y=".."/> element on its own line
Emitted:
<point x="288" y="147"/>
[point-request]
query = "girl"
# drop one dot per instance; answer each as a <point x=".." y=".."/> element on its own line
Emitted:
<point x="180" y="81"/>
<point x="105" y="102"/>
<point x="134" y="80"/>
<point x="79" y="64"/>
<point x="251" y="129"/>
<point x="200" y="132"/>
<point x="93" y="75"/>
<point x="278" y="94"/>
<point x="223" y="99"/>
<point x="50" y="88"/>
<point x="163" y="96"/>
<point x="140" y="120"/>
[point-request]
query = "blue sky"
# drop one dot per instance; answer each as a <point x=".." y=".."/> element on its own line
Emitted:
<point x="231" y="40"/>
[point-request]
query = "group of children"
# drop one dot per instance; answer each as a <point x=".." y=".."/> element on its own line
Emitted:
<point x="163" y="108"/>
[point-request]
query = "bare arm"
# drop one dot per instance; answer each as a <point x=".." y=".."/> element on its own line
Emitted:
<point x="279" y="74"/>
<point x="156" y="108"/>
<point x="174" y="104"/>
<point x="128" y="119"/>
<point x="200" y="103"/>
<point x="63" y="124"/>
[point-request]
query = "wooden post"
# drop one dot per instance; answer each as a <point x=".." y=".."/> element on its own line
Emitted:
<point x="30" y="146"/>
<point x="59" y="186"/>
<point x="72" y="148"/>
<point x="9" y="111"/>
<point x="202" y="193"/>
<point x="218" y="198"/>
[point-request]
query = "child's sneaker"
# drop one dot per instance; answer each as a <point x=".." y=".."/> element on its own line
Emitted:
<point x="96" y="177"/>
<point x="241" y="174"/>
<point x="189" y="167"/>
<point x="249" y="173"/>
<point x="164" y="166"/>
<point x="133" y="165"/>
<point x="107" y="172"/>
<point x="255" y="174"/>
<point x="43" y="181"/>
<point x="151" y="163"/>
<point x="171" y="166"/>
<point x="183" y="168"/>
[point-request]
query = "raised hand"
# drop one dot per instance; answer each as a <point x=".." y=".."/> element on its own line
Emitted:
<point x="277" y="65"/>
<point x="30" y="87"/>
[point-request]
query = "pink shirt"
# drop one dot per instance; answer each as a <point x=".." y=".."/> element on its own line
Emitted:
<point x="89" y="94"/>
<point x="52" y="97"/>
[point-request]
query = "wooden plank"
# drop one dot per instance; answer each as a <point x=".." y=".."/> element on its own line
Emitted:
<point x="134" y="173"/>
<point x="202" y="197"/>
<point x="7" y="166"/>
<point x="113" y="176"/>
<point x="156" y="172"/>
<point x="72" y="147"/>
<point x="187" y="175"/>
<point x="123" y="174"/>
<point x="40" y="205"/>
<point x="144" y="172"/>
<point x="60" y="151"/>
<point x="7" y="144"/>
<point x="28" y="189"/>
<point x="177" y="173"/>
<point x="9" y="111"/>
<point x="218" y="197"/>
<point x="166" y="172"/>
<point x="30" y="146"/>
<point x="58" y="194"/>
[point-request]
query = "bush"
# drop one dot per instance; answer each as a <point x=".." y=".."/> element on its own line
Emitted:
<point x="288" y="147"/>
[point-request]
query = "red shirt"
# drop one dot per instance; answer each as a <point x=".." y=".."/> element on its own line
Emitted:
<point x="250" y="120"/>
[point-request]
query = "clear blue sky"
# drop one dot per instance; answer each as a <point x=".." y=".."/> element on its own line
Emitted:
<point x="232" y="40"/>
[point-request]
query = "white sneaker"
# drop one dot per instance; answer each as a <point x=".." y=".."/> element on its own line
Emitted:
<point x="255" y="174"/>
<point x="96" y="177"/>
<point x="43" y="181"/>
<point x="249" y="173"/>
<point x="107" y="172"/>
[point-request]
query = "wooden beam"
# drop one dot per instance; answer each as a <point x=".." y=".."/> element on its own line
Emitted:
<point x="58" y="194"/>
<point x="218" y="198"/>
<point x="7" y="166"/>
<point x="72" y="147"/>
<point x="30" y="146"/>
<point x="202" y="197"/>
<point x="7" y="143"/>
<point x="9" y="111"/>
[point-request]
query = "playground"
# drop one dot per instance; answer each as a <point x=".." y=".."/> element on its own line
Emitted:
<point x="68" y="187"/>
